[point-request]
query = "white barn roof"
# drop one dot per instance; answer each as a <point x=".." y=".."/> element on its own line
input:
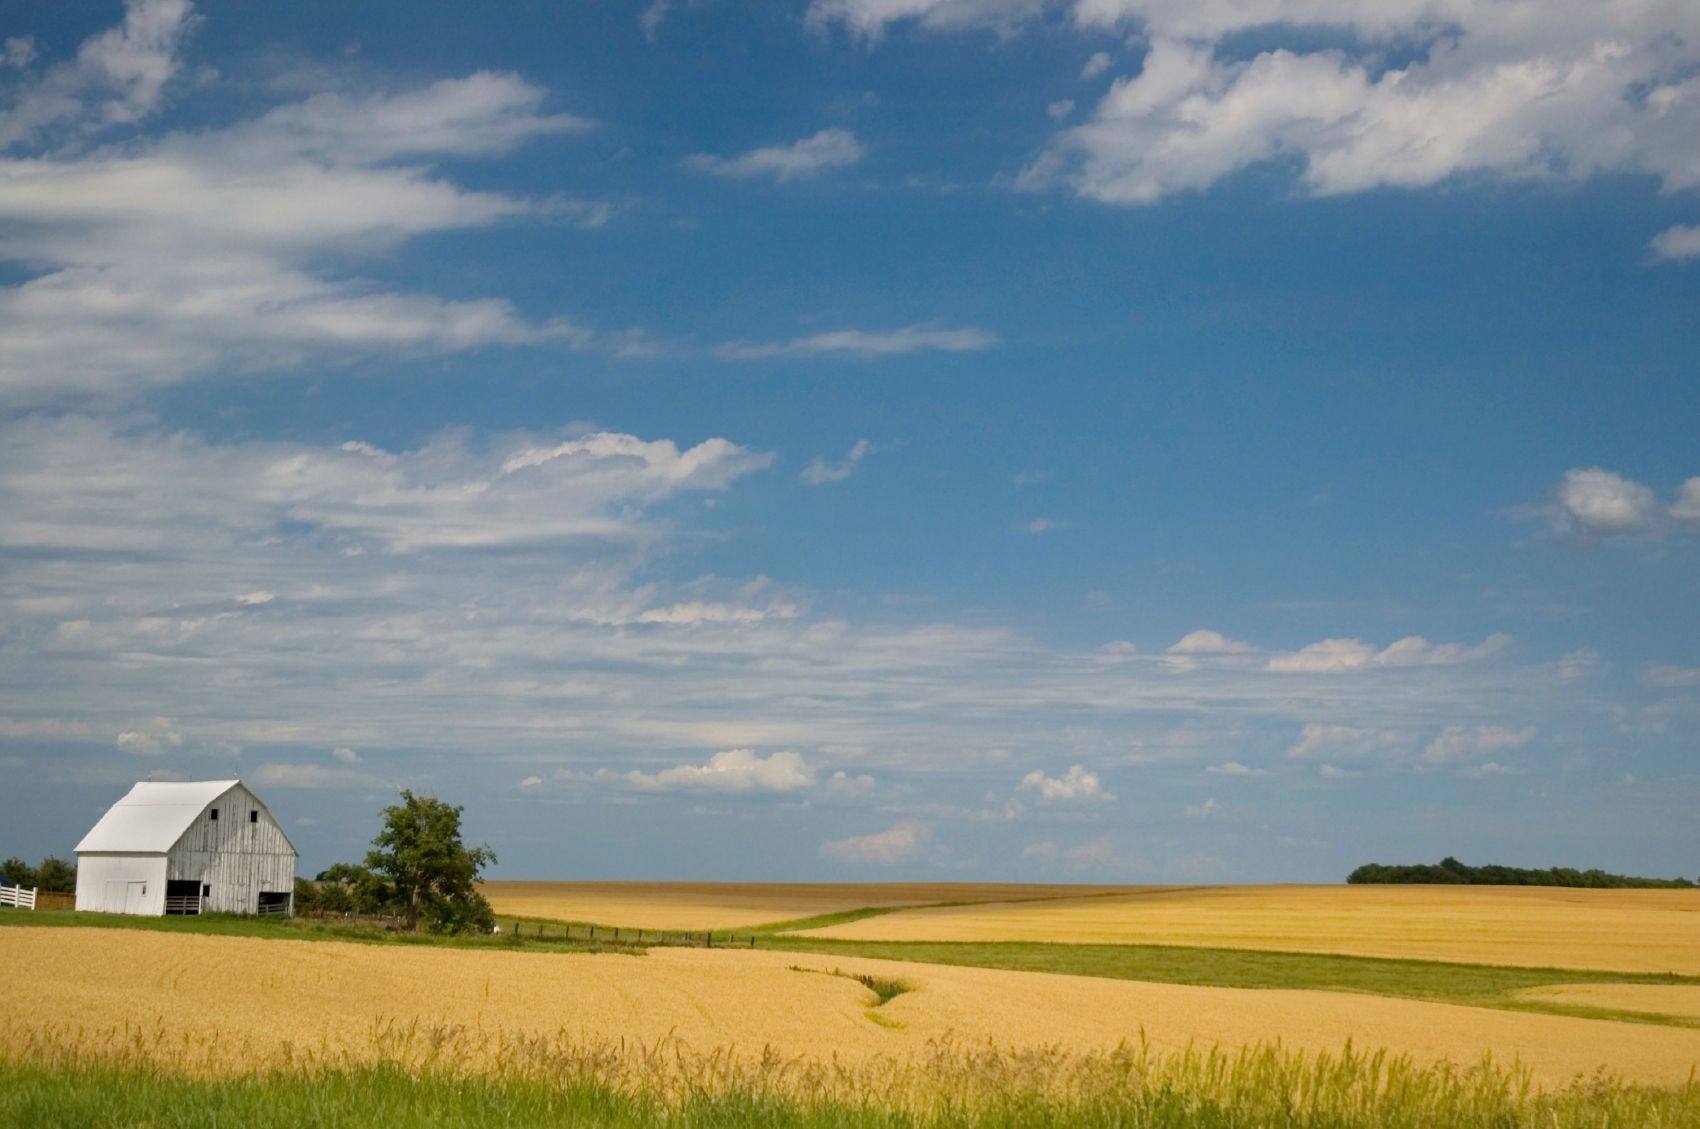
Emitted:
<point x="153" y="816"/>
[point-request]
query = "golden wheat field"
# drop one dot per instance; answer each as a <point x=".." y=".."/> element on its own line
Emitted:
<point x="233" y="1001"/>
<point x="728" y="905"/>
<point x="1527" y="926"/>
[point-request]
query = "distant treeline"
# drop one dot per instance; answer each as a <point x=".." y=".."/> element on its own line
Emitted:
<point x="1450" y="872"/>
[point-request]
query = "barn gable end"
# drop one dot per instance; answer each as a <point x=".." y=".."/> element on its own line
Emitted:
<point x="201" y="847"/>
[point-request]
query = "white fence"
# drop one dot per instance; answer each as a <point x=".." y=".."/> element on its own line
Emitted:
<point x="17" y="896"/>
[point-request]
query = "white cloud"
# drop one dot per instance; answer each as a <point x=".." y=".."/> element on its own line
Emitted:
<point x="820" y="471"/>
<point x="116" y="78"/>
<point x="842" y="786"/>
<point x="1095" y="66"/>
<point x="151" y="738"/>
<point x="256" y="599"/>
<point x="1207" y="642"/>
<point x="1060" y="109"/>
<point x="342" y="754"/>
<point x="1334" y="655"/>
<point x="195" y="254"/>
<point x="1235" y="768"/>
<point x="734" y="770"/>
<point x="1204" y="810"/>
<point x="1576" y="665"/>
<point x="1588" y="87"/>
<point x="900" y="842"/>
<point x="1676" y="243"/>
<point x="79" y="483"/>
<point x="531" y="782"/>
<point x="864" y="344"/>
<point x="694" y="612"/>
<point x="869" y="18"/>
<point x="1662" y="674"/>
<point x="1597" y="503"/>
<point x="1686" y="508"/>
<point x="828" y="149"/>
<point x="1094" y="852"/>
<point x="312" y="776"/>
<point x="1076" y="786"/>
<point x="1318" y="740"/>
<point x="1464" y="743"/>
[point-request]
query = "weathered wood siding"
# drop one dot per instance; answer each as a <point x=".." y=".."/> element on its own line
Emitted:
<point x="239" y="855"/>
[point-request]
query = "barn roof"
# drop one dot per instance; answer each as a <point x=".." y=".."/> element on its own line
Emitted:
<point x="153" y="816"/>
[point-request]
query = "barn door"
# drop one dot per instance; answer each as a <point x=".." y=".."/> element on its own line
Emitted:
<point x="133" y="894"/>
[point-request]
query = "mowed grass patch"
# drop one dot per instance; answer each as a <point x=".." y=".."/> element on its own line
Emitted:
<point x="1435" y="981"/>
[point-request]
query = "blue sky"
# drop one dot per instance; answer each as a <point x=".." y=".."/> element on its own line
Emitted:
<point x="1120" y="440"/>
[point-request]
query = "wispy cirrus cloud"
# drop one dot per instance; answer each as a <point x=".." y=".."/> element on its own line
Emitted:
<point x="862" y="344"/>
<point x="167" y="257"/>
<point x="819" y="472"/>
<point x="811" y="156"/>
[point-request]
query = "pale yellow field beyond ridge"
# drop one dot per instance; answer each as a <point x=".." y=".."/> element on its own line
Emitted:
<point x="257" y="995"/>
<point x="1528" y="926"/>
<point x="739" y="905"/>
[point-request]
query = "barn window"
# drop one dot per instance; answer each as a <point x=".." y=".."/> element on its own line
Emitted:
<point x="213" y="815"/>
<point x="253" y="817"/>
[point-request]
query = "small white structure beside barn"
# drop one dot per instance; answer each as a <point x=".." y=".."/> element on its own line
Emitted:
<point x="201" y="847"/>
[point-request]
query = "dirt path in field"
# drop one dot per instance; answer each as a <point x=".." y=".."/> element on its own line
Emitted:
<point x="330" y="997"/>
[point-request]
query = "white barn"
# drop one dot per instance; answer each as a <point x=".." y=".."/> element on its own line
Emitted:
<point x="202" y="847"/>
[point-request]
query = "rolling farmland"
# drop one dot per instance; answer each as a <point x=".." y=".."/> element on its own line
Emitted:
<point x="813" y="1012"/>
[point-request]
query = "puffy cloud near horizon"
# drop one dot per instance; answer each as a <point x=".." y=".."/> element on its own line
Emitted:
<point x="828" y="149"/>
<point x="903" y="841"/>
<point x="180" y="256"/>
<point x="1675" y="244"/>
<point x="1321" y="740"/>
<point x="733" y="770"/>
<point x="1078" y="785"/>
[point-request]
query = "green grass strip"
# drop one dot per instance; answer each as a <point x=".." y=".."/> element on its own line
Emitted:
<point x="1477" y="985"/>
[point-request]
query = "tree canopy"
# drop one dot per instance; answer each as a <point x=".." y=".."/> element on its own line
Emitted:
<point x="426" y="868"/>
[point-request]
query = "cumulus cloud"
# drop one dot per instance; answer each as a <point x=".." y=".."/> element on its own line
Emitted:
<point x="828" y="149"/>
<point x="1597" y="503"/>
<point x="1078" y="785"/>
<point x="1468" y="742"/>
<point x="1185" y="654"/>
<point x="151" y="738"/>
<point x="901" y="842"/>
<point x="1335" y="655"/>
<point x="1676" y="243"/>
<point x="864" y="344"/>
<point x="193" y="254"/>
<point x="819" y="472"/>
<point x="734" y="770"/>
<point x="1204" y="810"/>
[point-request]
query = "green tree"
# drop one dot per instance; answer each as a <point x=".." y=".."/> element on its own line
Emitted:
<point x="56" y="875"/>
<point x="17" y="872"/>
<point x="420" y="857"/>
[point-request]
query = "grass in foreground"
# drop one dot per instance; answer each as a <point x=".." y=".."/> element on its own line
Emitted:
<point x="589" y="1086"/>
